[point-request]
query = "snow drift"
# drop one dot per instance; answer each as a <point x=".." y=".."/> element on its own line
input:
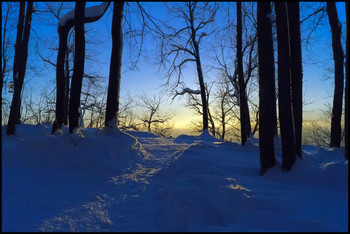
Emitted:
<point x="137" y="181"/>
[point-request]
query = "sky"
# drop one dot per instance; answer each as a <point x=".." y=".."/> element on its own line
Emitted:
<point x="147" y="77"/>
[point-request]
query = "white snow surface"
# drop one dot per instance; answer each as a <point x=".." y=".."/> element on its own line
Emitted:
<point x="137" y="181"/>
<point x="93" y="11"/>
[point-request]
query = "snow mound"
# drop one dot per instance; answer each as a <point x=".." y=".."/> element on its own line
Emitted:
<point x="104" y="183"/>
<point x="204" y="137"/>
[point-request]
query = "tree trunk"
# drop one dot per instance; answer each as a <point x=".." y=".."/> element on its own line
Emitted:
<point x="243" y="104"/>
<point x="347" y="87"/>
<point x="296" y="71"/>
<point x="60" y="80"/>
<point x="20" y="63"/>
<point x="267" y="99"/>
<point x="78" y="72"/>
<point x="203" y="96"/>
<point x="338" y="74"/>
<point x="284" y="94"/>
<point x="2" y="51"/>
<point x="66" y="88"/>
<point x="115" y="66"/>
<point x="199" y="72"/>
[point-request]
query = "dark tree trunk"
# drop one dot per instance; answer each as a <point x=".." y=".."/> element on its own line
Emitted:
<point x="2" y="54"/>
<point x="66" y="89"/>
<point x="60" y="80"/>
<point x="202" y="88"/>
<point x="296" y="71"/>
<point x="347" y="87"/>
<point x="284" y="94"/>
<point x="78" y="71"/>
<point x="243" y="104"/>
<point x="20" y="63"/>
<point x="199" y="72"/>
<point x="267" y="99"/>
<point x="115" y="66"/>
<point x="338" y="74"/>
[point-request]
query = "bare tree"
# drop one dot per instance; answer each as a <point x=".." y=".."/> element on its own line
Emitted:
<point x="20" y="63"/>
<point x="127" y="118"/>
<point x="284" y="94"/>
<point x="267" y="101"/>
<point x="226" y="103"/>
<point x="7" y="26"/>
<point x="152" y="115"/>
<point x="74" y="102"/>
<point x="65" y="24"/>
<point x="115" y="67"/>
<point x="182" y="46"/>
<point x="338" y="57"/>
<point x="227" y="65"/>
<point x="296" y="71"/>
<point x="243" y="104"/>
<point x="347" y="87"/>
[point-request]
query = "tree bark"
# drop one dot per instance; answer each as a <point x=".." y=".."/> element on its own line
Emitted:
<point x="267" y="98"/>
<point x="284" y="94"/>
<point x="243" y="104"/>
<point x="338" y="74"/>
<point x="115" y="66"/>
<point x="20" y="63"/>
<point x="296" y="71"/>
<point x="78" y="72"/>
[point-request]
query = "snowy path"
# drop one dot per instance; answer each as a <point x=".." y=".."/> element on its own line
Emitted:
<point x="95" y="215"/>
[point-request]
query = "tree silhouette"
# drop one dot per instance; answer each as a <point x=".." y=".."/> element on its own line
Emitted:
<point x="243" y="104"/>
<point x="78" y="72"/>
<point x="284" y="94"/>
<point x="267" y="98"/>
<point x="115" y="66"/>
<point x="338" y="57"/>
<point x="296" y="71"/>
<point x="20" y="63"/>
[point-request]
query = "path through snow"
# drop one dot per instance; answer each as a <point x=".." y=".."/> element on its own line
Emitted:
<point x="95" y="215"/>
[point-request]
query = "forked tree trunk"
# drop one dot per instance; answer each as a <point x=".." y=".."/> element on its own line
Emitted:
<point x="284" y="94"/>
<point x="267" y="100"/>
<point x="115" y="67"/>
<point x="62" y="81"/>
<point x="296" y="71"/>
<point x="338" y="74"/>
<point x="78" y="71"/>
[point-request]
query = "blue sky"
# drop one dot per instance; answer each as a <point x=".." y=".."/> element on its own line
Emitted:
<point x="147" y="78"/>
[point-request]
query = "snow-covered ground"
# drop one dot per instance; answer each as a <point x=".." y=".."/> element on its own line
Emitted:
<point x="136" y="181"/>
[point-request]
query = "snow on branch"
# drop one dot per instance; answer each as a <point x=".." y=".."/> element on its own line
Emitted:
<point x="90" y="13"/>
<point x="187" y="90"/>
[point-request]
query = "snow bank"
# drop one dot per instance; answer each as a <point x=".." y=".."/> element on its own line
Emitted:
<point x="191" y="183"/>
<point x="44" y="173"/>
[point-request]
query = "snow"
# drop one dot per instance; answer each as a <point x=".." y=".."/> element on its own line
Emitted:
<point x="137" y="181"/>
<point x="90" y="12"/>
